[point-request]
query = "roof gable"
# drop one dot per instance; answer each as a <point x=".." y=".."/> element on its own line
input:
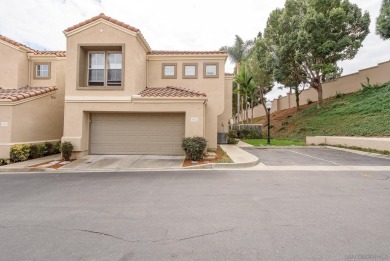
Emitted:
<point x="104" y="17"/>
<point x="15" y="43"/>
<point x="110" y="21"/>
<point x="31" y="50"/>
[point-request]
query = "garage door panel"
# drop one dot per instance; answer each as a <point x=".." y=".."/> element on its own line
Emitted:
<point x="137" y="133"/>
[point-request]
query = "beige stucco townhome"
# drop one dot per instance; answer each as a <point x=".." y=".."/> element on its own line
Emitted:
<point x="110" y="93"/>
<point x="122" y="97"/>
<point x="32" y="86"/>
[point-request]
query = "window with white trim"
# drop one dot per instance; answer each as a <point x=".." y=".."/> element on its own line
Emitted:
<point x="190" y="70"/>
<point x="104" y="68"/>
<point x="169" y="70"/>
<point x="42" y="70"/>
<point x="210" y="70"/>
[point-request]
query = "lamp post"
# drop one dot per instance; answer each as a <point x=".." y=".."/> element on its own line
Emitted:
<point x="268" y="105"/>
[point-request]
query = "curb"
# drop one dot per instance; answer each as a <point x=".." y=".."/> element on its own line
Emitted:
<point x="225" y="165"/>
<point x="25" y="170"/>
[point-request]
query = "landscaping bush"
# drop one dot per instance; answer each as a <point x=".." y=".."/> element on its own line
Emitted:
<point x="3" y="162"/>
<point x="20" y="152"/>
<point x="49" y="148"/>
<point x="42" y="150"/>
<point x="66" y="150"/>
<point x="249" y="134"/>
<point x="232" y="136"/>
<point x="194" y="147"/>
<point x="34" y="152"/>
<point x="57" y="148"/>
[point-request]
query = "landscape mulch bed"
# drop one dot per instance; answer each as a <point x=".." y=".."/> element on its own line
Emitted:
<point x="57" y="165"/>
<point x="220" y="156"/>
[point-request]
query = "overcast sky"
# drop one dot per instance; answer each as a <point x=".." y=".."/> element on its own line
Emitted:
<point x="167" y="25"/>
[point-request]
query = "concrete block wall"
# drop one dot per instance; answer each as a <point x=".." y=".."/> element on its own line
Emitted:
<point x="345" y="84"/>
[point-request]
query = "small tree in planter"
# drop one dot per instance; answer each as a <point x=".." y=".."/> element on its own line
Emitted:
<point x="194" y="147"/>
<point x="66" y="150"/>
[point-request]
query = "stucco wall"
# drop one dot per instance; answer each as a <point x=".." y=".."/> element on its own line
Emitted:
<point x="34" y="119"/>
<point x="13" y="67"/>
<point x="346" y="84"/>
<point x="5" y="130"/>
<point x="134" y="66"/>
<point x="213" y="87"/>
<point x="140" y="71"/>
<point x="223" y="119"/>
<point x="37" y="120"/>
<point x="78" y="114"/>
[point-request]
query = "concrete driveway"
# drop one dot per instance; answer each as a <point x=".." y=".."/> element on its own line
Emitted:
<point x="125" y="162"/>
<point x="316" y="157"/>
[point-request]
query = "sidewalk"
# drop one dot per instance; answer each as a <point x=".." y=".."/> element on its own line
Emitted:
<point x="93" y="163"/>
<point x="241" y="158"/>
<point x="24" y="166"/>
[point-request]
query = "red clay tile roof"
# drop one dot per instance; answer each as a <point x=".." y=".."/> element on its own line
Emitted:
<point x="15" y="43"/>
<point x="56" y="53"/>
<point x="170" y="91"/>
<point x="163" y="52"/>
<point x="23" y="93"/>
<point x="105" y="17"/>
<point x="37" y="52"/>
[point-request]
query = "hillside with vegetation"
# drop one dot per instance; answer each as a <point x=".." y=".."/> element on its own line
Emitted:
<point x="364" y="113"/>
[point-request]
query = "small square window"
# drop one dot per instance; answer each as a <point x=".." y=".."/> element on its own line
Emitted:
<point x="169" y="71"/>
<point x="190" y="71"/>
<point x="41" y="70"/>
<point x="210" y="70"/>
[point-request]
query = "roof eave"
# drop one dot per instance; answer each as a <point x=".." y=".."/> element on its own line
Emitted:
<point x="137" y="34"/>
<point x="140" y="98"/>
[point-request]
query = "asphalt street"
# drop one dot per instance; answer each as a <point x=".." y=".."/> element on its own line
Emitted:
<point x="316" y="157"/>
<point x="195" y="215"/>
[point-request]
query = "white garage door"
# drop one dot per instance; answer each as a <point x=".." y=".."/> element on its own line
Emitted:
<point x="137" y="133"/>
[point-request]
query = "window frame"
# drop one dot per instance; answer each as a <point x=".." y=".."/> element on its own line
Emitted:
<point x="36" y="77"/>
<point x="82" y="65"/>
<point x="105" y="82"/>
<point x="216" y="70"/>
<point x="190" y="76"/>
<point x="163" y="76"/>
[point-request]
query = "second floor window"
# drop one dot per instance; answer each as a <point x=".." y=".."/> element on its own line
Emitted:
<point x="42" y="70"/>
<point x="169" y="70"/>
<point x="104" y="68"/>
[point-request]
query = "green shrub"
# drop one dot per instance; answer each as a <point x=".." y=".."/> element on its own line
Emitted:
<point x="3" y="162"/>
<point x="49" y="148"/>
<point x="20" y="152"/>
<point x="232" y="137"/>
<point x="57" y="148"/>
<point x="248" y="134"/>
<point x="194" y="147"/>
<point x="66" y="150"/>
<point x="42" y="150"/>
<point x="34" y="152"/>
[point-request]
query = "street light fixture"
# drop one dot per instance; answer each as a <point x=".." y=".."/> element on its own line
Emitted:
<point x="268" y="105"/>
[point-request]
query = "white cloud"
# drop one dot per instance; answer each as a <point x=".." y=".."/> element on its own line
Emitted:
<point x="170" y="24"/>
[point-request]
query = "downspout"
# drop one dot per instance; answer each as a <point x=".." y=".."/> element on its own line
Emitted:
<point x="204" y="118"/>
<point x="29" y="70"/>
<point x="147" y="70"/>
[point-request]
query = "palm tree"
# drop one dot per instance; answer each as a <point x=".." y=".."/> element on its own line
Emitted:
<point x="247" y="90"/>
<point x="238" y="53"/>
